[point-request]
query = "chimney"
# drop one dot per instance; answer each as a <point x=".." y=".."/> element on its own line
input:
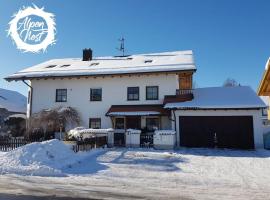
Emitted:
<point x="87" y="54"/>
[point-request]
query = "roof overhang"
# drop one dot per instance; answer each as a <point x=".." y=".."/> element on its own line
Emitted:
<point x="228" y="108"/>
<point x="31" y="77"/>
<point x="264" y="87"/>
<point x="138" y="110"/>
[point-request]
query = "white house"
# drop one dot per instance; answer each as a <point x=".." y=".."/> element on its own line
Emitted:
<point x="148" y="92"/>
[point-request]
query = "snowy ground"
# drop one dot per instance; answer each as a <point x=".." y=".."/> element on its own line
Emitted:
<point x="137" y="173"/>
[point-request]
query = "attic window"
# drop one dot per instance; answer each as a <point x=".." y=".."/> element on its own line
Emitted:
<point x="51" y="66"/>
<point x="94" y="64"/>
<point x="148" y="61"/>
<point x="65" y="65"/>
<point x="3" y="98"/>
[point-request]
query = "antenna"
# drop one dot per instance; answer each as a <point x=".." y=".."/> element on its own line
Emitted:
<point x="122" y="46"/>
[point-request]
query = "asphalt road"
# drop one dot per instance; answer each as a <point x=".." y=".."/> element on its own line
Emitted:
<point x="27" y="197"/>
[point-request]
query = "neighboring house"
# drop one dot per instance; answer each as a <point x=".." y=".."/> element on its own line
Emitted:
<point x="264" y="87"/>
<point x="265" y="117"/>
<point x="11" y="104"/>
<point x="148" y="92"/>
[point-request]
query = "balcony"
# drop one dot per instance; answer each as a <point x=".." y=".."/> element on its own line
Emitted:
<point x="182" y="95"/>
<point x="184" y="91"/>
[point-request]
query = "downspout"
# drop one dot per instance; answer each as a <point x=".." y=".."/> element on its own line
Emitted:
<point x="30" y="98"/>
<point x="173" y="110"/>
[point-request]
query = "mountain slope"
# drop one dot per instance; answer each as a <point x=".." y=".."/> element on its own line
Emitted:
<point x="12" y="101"/>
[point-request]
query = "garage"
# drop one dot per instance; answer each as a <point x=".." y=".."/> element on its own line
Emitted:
<point x="222" y="117"/>
<point x="217" y="131"/>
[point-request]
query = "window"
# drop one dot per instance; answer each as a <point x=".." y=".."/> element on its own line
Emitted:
<point x="119" y="123"/>
<point x="148" y="61"/>
<point x="65" y="65"/>
<point x="95" y="94"/>
<point x="152" y="93"/>
<point x="94" y="64"/>
<point x="152" y="124"/>
<point x="61" y="95"/>
<point x="51" y="66"/>
<point x="133" y="93"/>
<point x="95" y="123"/>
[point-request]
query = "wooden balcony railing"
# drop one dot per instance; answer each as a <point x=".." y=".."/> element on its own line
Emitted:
<point x="184" y="91"/>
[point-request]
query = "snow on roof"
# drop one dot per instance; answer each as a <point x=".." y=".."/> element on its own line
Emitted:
<point x="221" y="97"/>
<point x="16" y="116"/>
<point x="142" y="63"/>
<point x="137" y="113"/>
<point x="265" y="99"/>
<point x="267" y="63"/>
<point x="12" y="101"/>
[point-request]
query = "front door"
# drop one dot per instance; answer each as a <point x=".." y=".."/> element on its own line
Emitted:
<point x="133" y="122"/>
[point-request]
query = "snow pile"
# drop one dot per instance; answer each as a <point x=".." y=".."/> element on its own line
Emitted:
<point x="48" y="158"/>
<point x="84" y="133"/>
<point x="133" y="131"/>
<point x="165" y="132"/>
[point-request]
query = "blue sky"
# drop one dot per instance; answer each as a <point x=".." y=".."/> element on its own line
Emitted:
<point x="229" y="38"/>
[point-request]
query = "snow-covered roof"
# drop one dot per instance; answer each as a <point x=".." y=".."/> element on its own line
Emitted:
<point x="142" y="63"/>
<point x="240" y="97"/>
<point x="12" y="101"/>
<point x="137" y="113"/>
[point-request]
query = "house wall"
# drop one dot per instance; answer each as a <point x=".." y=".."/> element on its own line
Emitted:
<point x="114" y="92"/>
<point x="257" y="122"/>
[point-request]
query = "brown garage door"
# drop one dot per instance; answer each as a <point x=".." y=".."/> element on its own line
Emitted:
<point x="217" y="131"/>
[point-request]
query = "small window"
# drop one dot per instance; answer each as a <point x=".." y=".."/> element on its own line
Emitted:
<point x="133" y="93"/>
<point x="148" y="61"/>
<point x="61" y="95"/>
<point x="65" y="66"/>
<point x="152" y="93"/>
<point x="95" y="123"/>
<point x="119" y="123"/>
<point x="51" y="66"/>
<point x="94" y="64"/>
<point x="95" y="94"/>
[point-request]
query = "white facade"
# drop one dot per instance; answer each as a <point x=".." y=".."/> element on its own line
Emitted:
<point x="114" y="92"/>
<point x="256" y="114"/>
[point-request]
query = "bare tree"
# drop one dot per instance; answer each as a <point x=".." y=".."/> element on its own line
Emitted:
<point x="54" y="120"/>
<point x="230" y="82"/>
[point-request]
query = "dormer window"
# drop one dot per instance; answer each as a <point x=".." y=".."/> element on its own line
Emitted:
<point x="148" y="61"/>
<point x="65" y="66"/>
<point x="94" y="64"/>
<point x="51" y="66"/>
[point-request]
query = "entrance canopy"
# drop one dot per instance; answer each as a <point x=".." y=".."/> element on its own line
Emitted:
<point x="137" y="110"/>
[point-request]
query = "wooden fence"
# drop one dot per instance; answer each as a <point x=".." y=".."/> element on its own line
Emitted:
<point x="90" y="143"/>
<point x="8" y="144"/>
